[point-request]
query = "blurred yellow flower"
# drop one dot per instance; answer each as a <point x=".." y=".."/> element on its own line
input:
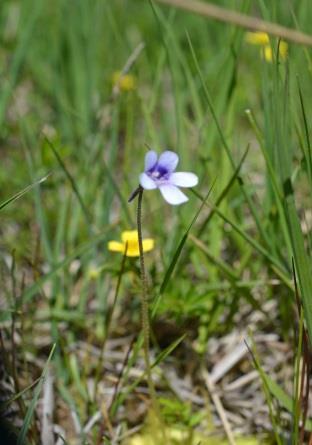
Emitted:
<point x="263" y="39"/>
<point x="93" y="273"/>
<point x="130" y="244"/>
<point x="124" y="82"/>
<point x="268" y="53"/>
<point x="257" y="38"/>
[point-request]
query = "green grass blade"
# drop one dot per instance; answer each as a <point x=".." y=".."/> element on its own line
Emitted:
<point x="24" y="39"/>
<point x="308" y="151"/>
<point x="21" y="439"/>
<point x="249" y="201"/>
<point x="224" y="192"/>
<point x="72" y="182"/>
<point x="29" y="292"/>
<point x="266" y="389"/>
<point x="251" y="241"/>
<point x="302" y="262"/>
<point x="22" y="192"/>
<point x="284" y="399"/>
<point x="177" y="254"/>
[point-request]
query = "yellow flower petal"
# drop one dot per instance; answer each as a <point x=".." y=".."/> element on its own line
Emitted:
<point x="126" y="82"/>
<point x="283" y="50"/>
<point x="268" y="53"/>
<point x="130" y="240"/>
<point x="257" y="38"/>
<point x="133" y="251"/>
<point x="115" y="246"/>
<point x="130" y="235"/>
<point x="148" y="244"/>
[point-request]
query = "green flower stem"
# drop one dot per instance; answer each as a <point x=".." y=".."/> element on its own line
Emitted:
<point x="144" y="306"/>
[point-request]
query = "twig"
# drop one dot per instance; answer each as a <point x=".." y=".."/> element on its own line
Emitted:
<point x="228" y="362"/>
<point x="217" y="402"/>
<point x="239" y="19"/>
<point x="47" y="435"/>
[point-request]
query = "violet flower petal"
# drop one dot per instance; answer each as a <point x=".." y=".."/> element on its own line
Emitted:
<point x="150" y="159"/>
<point x="183" y="179"/>
<point x="146" y="182"/>
<point x="168" y="160"/>
<point x="172" y="194"/>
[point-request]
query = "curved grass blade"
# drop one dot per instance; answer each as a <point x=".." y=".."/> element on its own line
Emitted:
<point x="161" y="357"/>
<point x="177" y="253"/>
<point x="253" y="210"/>
<point x="71" y="180"/>
<point x="265" y="386"/>
<point x="308" y="151"/>
<point x="224" y="192"/>
<point x="21" y="440"/>
<point x="36" y="287"/>
<point x="274" y="263"/>
<point x="22" y="192"/>
<point x="8" y="402"/>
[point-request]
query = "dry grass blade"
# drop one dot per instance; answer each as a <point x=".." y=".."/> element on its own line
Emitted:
<point x="227" y="362"/>
<point x="47" y="436"/>
<point x="217" y="402"/>
<point x="243" y="20"/>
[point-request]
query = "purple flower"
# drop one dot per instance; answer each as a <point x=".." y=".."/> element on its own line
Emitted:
<point x="160" y="173"/>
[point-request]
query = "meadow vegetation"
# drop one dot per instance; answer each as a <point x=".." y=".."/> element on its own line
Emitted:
<point x="87" y="87"/>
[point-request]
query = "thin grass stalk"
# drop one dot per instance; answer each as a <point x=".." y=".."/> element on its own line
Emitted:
<point x="119" y="378"/>
<point x="306" y="377"/>
<point x="108" y="323"/>
<point x="296" y="399"/>
<point x="266" y="390"/>
<point x="13" y="344"/>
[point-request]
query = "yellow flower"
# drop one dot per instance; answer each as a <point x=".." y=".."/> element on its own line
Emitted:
<point x="125" y="82"/>
<point x="257" y="38"/>
<point x="130" y="244"/>
<point x="263" y="39"/>
<point x="268" y="53"/>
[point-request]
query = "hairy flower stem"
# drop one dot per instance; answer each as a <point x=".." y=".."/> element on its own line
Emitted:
<point x="144" y="307"/>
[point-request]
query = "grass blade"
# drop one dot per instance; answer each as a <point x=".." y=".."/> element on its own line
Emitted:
<point x="21" y="440"/>
<point x="22" y="192"/>
<point x="177" y="254"/>
<point x="72" y="182"/>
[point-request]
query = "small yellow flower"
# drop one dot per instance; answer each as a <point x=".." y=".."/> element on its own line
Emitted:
<point x="124" y="82"/>
<point x="268" y="53"/>
<point x="257" y="38"/>
<point x="263" y="39"/>
<point x="130" y="244"/>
